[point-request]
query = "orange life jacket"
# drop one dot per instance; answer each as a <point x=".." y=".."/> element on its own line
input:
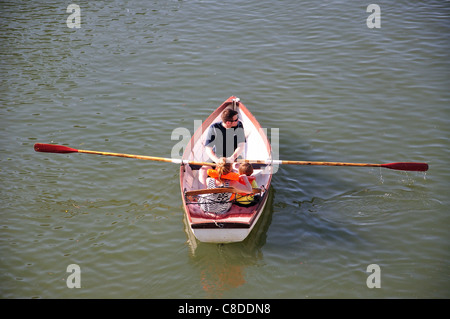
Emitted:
<point x="230" y="176"/>
<point x="250" y="179"/>
<point x="234" y="177"/>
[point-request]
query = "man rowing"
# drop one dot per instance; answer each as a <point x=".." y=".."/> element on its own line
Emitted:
<point x="224" y="139"/>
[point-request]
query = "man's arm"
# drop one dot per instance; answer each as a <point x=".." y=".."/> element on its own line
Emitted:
<point x="237" y="152"/>
<point x="209" y="151"/>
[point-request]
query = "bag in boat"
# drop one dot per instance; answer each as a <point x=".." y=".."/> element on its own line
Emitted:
<point x="218" y="203"/>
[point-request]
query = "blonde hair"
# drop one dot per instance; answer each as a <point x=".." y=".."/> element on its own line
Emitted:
<point x="223" y="168"/>
<point x="246" y="168"/>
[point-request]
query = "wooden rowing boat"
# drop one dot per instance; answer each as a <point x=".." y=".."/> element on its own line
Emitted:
<point x="236" y="224"/>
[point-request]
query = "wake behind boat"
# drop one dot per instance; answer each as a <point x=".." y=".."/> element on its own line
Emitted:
<point x="237" y="223"/>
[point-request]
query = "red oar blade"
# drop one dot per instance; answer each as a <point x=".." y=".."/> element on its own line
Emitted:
<point x="407" y="166"/>
<point x="51" y="148"/>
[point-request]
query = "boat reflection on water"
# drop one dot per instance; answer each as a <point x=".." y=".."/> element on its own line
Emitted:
<point x="222" y="266"/>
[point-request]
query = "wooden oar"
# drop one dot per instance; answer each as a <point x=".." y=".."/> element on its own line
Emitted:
<point x="402" y="166"/>
<point x="51" y="148"/>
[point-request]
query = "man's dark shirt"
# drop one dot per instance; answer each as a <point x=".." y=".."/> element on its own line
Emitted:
<point x="225" y="141"/>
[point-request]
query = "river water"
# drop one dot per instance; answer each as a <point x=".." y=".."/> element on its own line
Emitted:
<point x="135" y="71"/>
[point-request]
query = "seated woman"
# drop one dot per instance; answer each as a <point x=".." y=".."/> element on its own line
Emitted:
<point x="247" y="199"/>
<point x="223" y="176"/>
